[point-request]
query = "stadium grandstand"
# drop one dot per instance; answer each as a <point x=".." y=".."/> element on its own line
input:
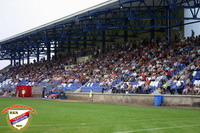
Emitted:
<point x="119" y="46"/>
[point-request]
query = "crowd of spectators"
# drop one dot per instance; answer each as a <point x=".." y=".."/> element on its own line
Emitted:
<point x="185" y="82"/>
<point x="8" y="92"/>
<point x="54" y="94"/>
<point x="120" y="66"/>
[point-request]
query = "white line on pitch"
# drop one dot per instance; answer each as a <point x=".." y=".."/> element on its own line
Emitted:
<point x="98" y="123"/>
<point x="153" y="129"/>
<point x="84" y="124"/>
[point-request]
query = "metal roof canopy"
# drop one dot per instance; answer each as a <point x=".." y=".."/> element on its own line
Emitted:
<point x="101" y="23"/>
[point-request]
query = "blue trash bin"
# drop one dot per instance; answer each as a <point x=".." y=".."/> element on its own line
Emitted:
<point x="158" y="100"/>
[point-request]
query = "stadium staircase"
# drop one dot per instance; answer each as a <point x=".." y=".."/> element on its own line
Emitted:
<point x="109" y="92"/>
<point x="5" y="69"/>
<point x="77" y="90"/>
<point x="181" y="72"/>
<point x="157" y="91"/>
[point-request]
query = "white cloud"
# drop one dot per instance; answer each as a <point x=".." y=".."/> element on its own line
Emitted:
<point x="188" y="28"/>
<point x="21" y="15"/>
<point x="17" y="16"/>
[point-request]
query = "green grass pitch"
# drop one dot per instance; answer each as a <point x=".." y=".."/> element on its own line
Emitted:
<point x="74" y="117"/>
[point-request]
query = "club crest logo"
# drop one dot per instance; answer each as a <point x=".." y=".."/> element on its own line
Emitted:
<point x="19" y="119"/>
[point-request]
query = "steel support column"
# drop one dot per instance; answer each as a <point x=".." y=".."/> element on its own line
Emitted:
<point x="55" y="50"/>
<point x="11" y="60"/>
<point x="107" y="21"/>
<point x="152" y="30"/>
<point x="69" y="45"/>
<point x="38" y="52"/>
<point x="28" y="55"/>
<point x="85" y="43"/>
<point x="103" y="41"/>
<point x="23" y="59"/>
<point x="168" y="21"/>
<point x="85" y="40"/>
<point x="125" y="30"/>
<point x="14" y="59"/>
<point x="19" y="58"/>
<point x="48" y="51"/>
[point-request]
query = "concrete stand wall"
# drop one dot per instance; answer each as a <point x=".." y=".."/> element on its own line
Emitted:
<point x="140" y="99"/>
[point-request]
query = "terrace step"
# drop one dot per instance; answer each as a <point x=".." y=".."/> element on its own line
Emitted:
<point x="108" y="92"/>
<point x="78" y="90"/>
